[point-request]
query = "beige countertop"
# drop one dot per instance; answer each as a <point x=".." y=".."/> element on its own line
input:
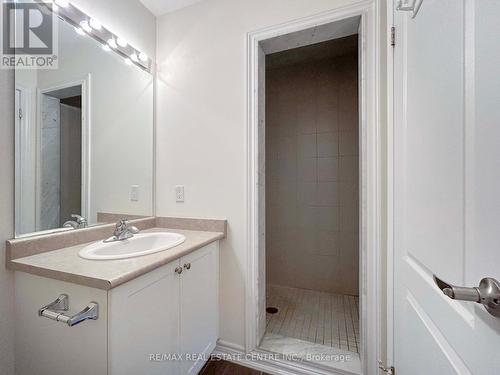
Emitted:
<point x="65" y="264"/>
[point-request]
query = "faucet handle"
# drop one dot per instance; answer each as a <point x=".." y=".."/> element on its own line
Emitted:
<point x="122" y="223"/>
<point x="79" y="219"/>
<point x="80" y="222"/>
<point x="132" y="229"/>
<point x="121" y="226"/>
<point x="123" y="231"/>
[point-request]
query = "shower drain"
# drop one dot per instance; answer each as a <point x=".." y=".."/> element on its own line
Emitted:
<point x="272" y="310"/>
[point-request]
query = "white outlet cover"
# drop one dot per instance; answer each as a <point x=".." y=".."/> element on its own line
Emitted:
<point x="179" y="193"/>
<point x="134" y="193"/>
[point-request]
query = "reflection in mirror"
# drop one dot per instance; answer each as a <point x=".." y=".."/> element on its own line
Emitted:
<point x="61" y="157"/>
<point x="83" y="137"/>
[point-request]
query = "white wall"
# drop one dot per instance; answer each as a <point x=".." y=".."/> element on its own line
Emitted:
<point x="201" y="123"/>
<point x="125" y="17"/>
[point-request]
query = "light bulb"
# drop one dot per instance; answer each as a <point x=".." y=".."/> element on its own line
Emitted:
<point x="122" y="42"/>
<point x="134" y="57"/>
<point x="106" y="47"/>
<point x="79" y="31"/>
<point x="128" y="61"/>
<point x="95" y="24"/>
<point x="143" y="57"/>
<point x="62" y="3"/>
<point x="112" y="43"/>
<point x="85" y="26"/>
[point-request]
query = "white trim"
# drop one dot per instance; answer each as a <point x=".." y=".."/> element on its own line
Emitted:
<point x="86" y="146"/>
<point x="38" y="152"/>
<point x="23" y="136"/>
<point x="389" y="321"/>
<point x="156" y="77"/>
<point x="229" y="346"/>
<point x="19" y="105"/>
<point x="85" y="84"/>
<point x="259" y="360"/>
<point x="371" y="171"/>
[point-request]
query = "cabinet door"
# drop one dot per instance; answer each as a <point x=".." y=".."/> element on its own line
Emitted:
<point x="144" y="324"/>
<point x="199" y="307"/>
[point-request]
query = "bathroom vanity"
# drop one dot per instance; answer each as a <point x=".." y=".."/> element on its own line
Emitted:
<point x="93" y="297"/>
<point x="144" y="301"/>
<point x="157" y="313"/>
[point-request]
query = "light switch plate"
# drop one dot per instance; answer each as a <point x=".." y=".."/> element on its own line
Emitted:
<point x="134" y="193"/>
<point x="179" y="193"/>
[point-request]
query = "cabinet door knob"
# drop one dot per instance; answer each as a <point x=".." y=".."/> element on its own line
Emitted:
<point x="187" y="266"/>
<point x="178" y="270"/>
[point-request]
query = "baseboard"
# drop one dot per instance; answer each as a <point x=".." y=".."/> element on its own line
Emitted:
<point x="230" y="346"/>
<point x="258" y="361"/>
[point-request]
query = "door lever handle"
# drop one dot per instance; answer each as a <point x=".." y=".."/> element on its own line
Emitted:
<point x="487" y="293"/>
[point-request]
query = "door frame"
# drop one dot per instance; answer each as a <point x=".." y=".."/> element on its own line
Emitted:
<point x="86" y="151"/>
<point x="388" y="361"/>
<point x="370" y="175"/>
<point x="23" y="136"/>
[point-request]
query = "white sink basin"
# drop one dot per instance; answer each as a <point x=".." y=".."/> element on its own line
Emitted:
<point x="140" y="244"/>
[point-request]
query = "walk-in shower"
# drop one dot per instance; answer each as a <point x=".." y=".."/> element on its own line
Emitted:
<point x="312" y="204"/>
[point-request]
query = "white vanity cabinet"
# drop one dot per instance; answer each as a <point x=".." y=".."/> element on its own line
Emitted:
<point x="166" y="321"/>
<point x="163" y="322"/>
<point x="199" y="308"/>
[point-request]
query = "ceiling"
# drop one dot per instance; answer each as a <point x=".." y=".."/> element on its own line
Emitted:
<point x="160" y="7"/>
<point x="319" y="51"/>
<point x="316" y="34"/>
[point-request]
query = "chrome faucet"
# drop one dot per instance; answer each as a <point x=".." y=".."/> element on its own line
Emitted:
<point x="123" y="231"/>
<point x="78" y="223"/>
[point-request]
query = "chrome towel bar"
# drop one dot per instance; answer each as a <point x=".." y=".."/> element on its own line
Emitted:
<point x="55" y="311"/>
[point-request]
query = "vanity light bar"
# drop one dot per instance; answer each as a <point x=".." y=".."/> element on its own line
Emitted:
<point x="86" y="25"/>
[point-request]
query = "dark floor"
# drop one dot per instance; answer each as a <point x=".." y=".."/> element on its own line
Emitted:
<point x="227" y="368"/>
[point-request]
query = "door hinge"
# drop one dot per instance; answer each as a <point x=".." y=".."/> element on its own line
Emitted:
<point x="20" y="114"/>
<point x="388" y="370"/>
<point x="393" y="36"/>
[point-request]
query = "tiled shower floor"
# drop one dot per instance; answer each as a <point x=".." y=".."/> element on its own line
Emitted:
<point x="318" y="317"/>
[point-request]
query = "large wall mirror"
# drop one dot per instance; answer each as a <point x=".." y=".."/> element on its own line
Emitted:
<point x="83" y="135"/>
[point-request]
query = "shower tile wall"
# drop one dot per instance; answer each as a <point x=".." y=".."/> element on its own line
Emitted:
<point x="71" y="162"/>
<point x="312" y="176"/>
<point x="50" y="160"/>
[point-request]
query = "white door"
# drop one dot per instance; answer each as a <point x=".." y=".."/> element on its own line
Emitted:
<point x="447" y="185"/>
<point x="199" y="307"/>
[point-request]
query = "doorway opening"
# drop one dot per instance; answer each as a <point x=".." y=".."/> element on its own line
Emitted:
<point x="283" y="283"/>
<point x="61" y="156"/>
<point x="312" y="199"/>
